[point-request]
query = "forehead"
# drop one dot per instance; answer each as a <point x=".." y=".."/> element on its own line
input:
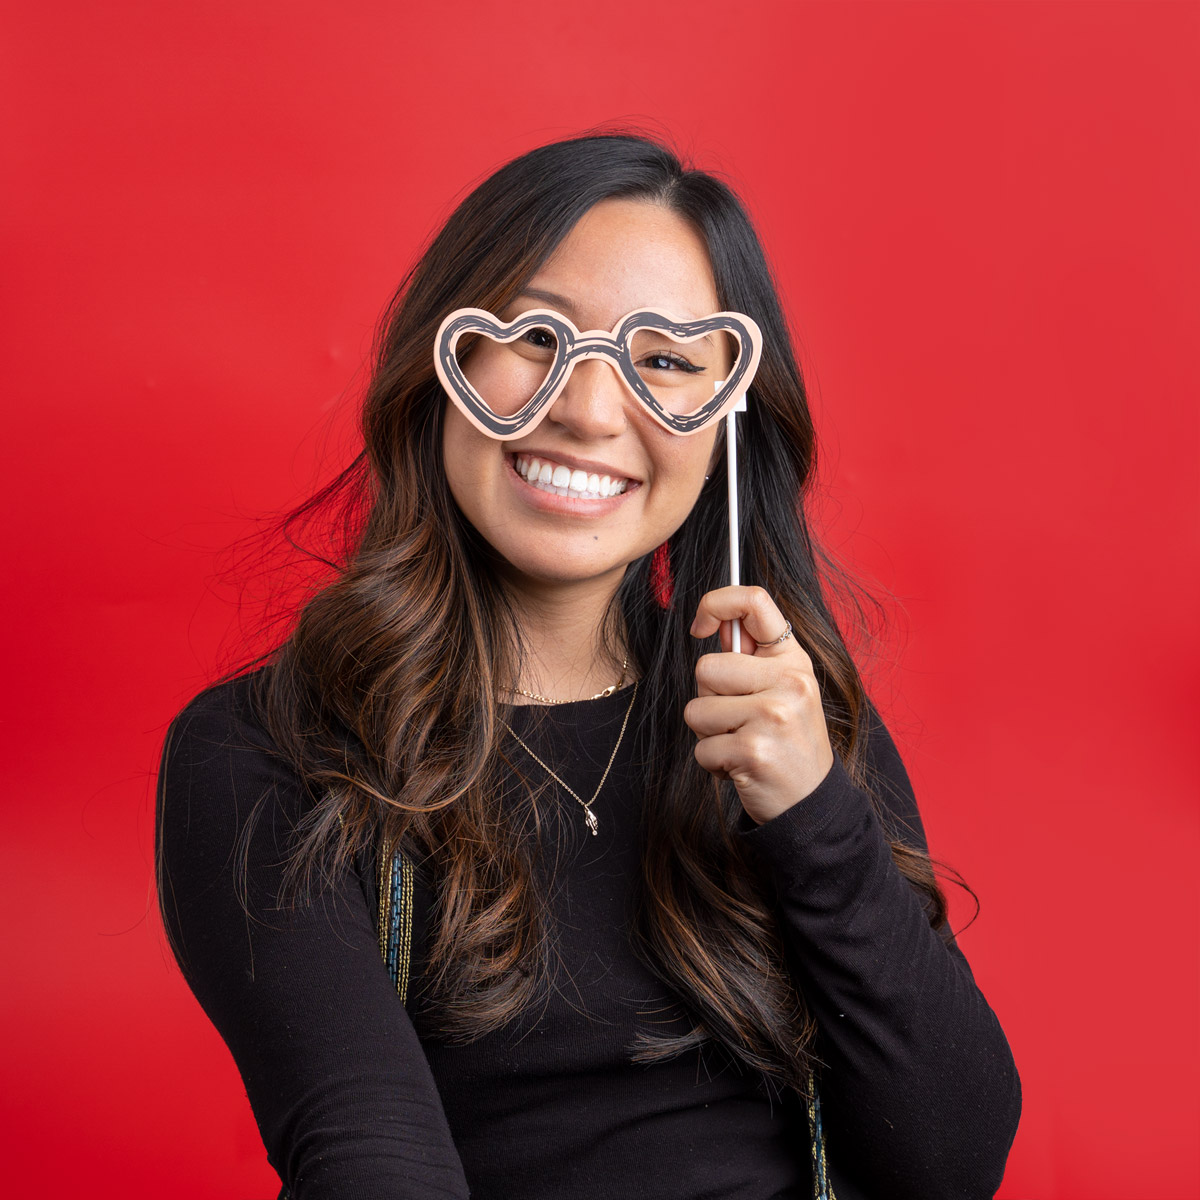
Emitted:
<point x="627" y="254"/>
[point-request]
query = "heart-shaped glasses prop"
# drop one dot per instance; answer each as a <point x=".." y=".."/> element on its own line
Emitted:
<point x="504" y="376"/>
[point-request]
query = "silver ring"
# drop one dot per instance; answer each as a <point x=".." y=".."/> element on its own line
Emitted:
<point x="783" y="637"/>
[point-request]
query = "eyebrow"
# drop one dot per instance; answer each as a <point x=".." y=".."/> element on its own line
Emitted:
<point x="565" y="305"/>
<point x="560" y="302"/>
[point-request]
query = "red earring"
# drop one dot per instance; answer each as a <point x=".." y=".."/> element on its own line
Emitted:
<point x="662" y="582"/>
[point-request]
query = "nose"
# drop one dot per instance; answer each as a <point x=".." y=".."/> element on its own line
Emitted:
<point x="592" y="404"/>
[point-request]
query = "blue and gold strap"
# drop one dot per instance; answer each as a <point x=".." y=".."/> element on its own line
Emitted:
<point x="822" y="1188"/>
<point x="396" y="916"/>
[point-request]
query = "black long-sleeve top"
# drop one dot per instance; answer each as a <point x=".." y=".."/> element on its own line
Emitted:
<point x="356" y="1096"/>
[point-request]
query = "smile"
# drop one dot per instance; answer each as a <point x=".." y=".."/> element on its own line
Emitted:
<point x="559" y="480"/>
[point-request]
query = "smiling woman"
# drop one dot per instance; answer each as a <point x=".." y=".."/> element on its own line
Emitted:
<point x="729" y="975"/>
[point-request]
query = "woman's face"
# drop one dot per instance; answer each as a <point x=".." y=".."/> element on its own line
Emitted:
<point x="622" y="255"/>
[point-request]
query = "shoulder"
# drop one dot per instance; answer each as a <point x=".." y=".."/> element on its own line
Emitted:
<point x="223" y="715"/>
<point x="219" y="736"/>
<point x="228" y="809"/>
<point x="219" y="765"/>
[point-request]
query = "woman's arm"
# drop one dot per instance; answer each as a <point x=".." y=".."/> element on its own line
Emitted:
<point x="340" y="1087"/>
<point x="920" y="1095"/>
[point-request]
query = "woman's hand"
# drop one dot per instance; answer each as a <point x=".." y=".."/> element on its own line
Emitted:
<point x="757" y="714"/>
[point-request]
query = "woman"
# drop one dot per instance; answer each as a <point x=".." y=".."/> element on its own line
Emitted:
<point x="661" y="891"/>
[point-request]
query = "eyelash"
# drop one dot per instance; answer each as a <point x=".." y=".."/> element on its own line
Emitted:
<point x="681" y="363"/>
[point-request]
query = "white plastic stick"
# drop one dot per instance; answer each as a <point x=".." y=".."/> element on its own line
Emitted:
<point x="731" y="476"/>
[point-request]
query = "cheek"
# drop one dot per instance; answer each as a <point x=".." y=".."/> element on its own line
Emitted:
<point x="685" y="461"/>
<point x="504" y="378"/>
<point x="482" y="369"/>
<point x="460" y="453"/>
<point x="451" y="439"/>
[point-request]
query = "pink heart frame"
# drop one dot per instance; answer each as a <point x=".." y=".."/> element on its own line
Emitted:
<point x="574" y="346"/>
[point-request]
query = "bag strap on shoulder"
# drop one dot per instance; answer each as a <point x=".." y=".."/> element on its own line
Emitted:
<point x="396" y="916"/>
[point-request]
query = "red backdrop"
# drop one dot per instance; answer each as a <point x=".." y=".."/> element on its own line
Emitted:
<point x="983" y="217"/>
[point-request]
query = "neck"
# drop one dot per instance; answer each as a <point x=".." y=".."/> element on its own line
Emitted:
<point x="561" y="626"/>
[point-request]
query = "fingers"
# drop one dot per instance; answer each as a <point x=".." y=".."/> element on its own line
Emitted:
<point x="708" y="716"/>
<point x="732" y="675"/>
<point x="757" y="716"/>
<point x="738" y="756"/>
<point x="749" y="645"/>
<point x="753" y="606"/>
<point x="718" y="755"/>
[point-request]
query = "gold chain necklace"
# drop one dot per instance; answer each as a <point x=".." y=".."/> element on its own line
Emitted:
<point x="608" y="691"/>
<point x="593" y="822"/>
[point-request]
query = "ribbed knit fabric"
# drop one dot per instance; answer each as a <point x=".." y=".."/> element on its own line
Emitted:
<point x="355" y="1097"/>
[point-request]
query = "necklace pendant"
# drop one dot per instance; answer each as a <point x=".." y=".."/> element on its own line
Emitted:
<point x="592" y="822"/>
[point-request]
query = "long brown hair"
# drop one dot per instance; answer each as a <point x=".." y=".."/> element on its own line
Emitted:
<point x="384" y="696"/>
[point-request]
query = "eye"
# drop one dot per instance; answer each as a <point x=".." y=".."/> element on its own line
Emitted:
<point x="660" y="361"/>
<point x="540" y="338"/>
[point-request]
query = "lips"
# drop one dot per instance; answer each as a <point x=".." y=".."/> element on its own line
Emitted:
<point x="562" y="479"/>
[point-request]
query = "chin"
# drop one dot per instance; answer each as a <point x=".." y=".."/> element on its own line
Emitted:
<point x="563" y="567"/>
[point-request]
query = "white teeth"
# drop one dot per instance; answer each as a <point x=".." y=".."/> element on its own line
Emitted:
<point x="563" y="481"/>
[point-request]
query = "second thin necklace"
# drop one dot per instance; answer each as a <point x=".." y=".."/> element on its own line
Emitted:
<point x="593" y="822"/>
